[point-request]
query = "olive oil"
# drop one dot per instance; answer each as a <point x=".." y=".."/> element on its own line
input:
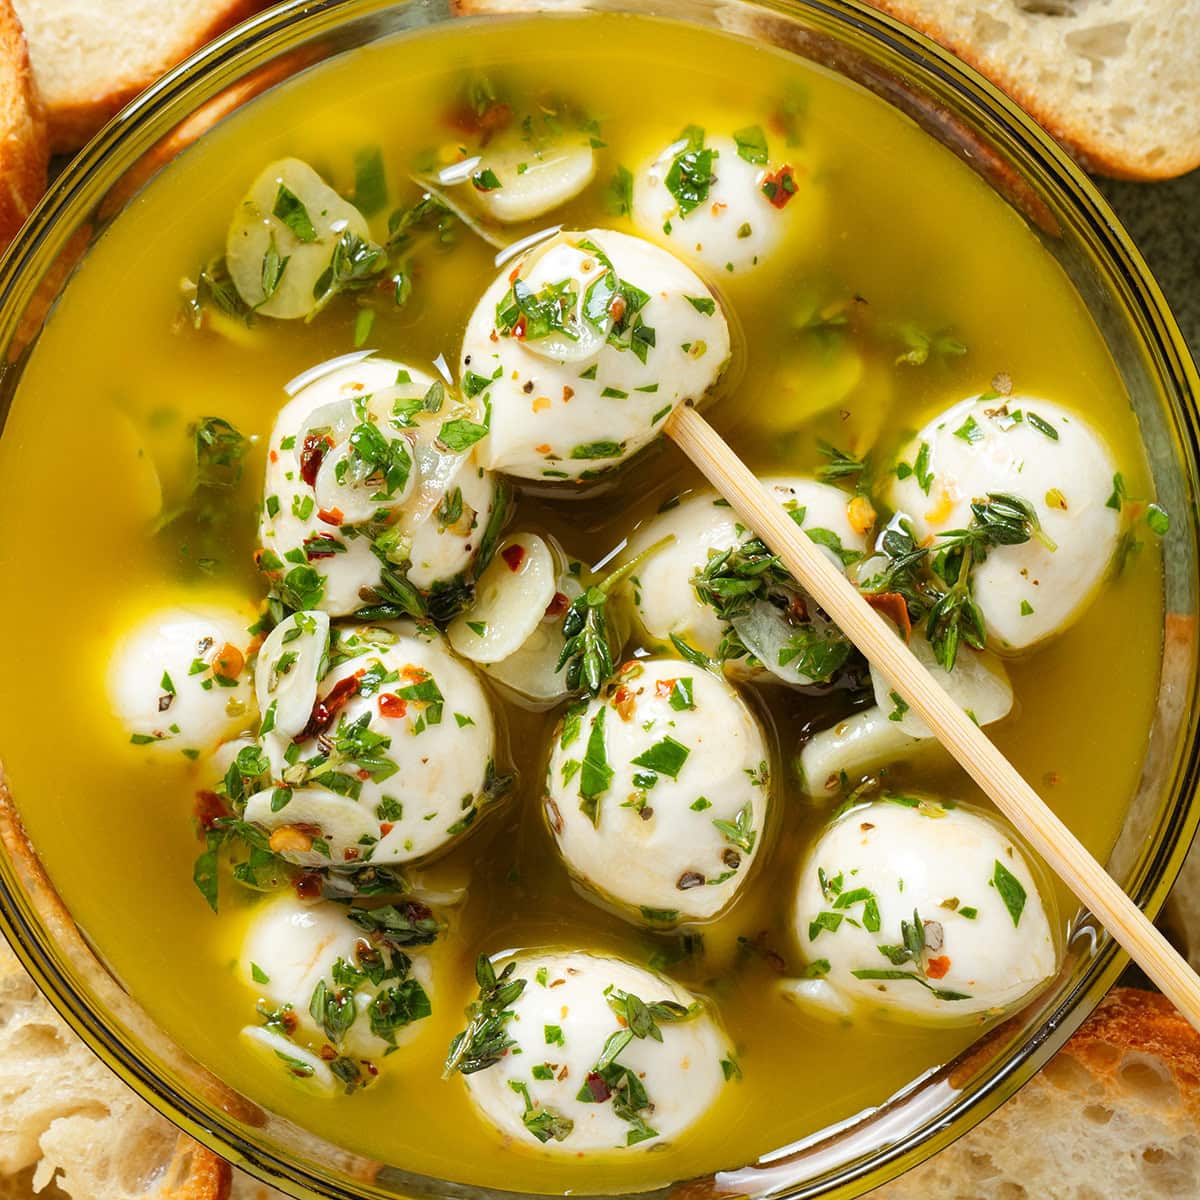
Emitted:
<point x="909" y="285"/>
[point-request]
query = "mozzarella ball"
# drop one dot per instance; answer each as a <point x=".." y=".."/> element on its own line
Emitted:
<point x="373" y="493"/>
<point x="572" y="1005"/>
<point x="702" y="526"/>
<point x="1047" y="456"/>
<point x="657" y="791"/>
<point x="924" y="911"/>
<point x="291" y="949"/>
<point x="395" y="762"/>
<point x="717" y="202"/>
<point x="583" y="348"/>
<point x="178" y="680"/>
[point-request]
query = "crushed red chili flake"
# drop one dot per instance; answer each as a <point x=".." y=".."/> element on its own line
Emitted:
<point x="328" y="707"/>
<point x="331" y="516"/>
<point x="313" y="546"/>
<point x="370" y="1068"/>
<point x="616" y="309"/>
<point x="312" y="454"/>
<point x="308" y="887"/>
<point x="893" y="606"/>
<point x="599" y="1089"/>
<point x="780" y="186"/>
<point x="385" y="828"/>
<point x="518" y="329"/>
<point x="514" y="556"/>
<point x="936" y="968"/>
<point x="208" y="809"/>
<point x="664" y="687"/>
<point x="274" y="456"/>
<point x="350" y="853"/>
<point x="558" y="605"/>
<point x="289" y="1021"/>
<point x="228" y="662"/>
<point x="328" y="1053"/>
<point x="391" y="705"/>
<point x="624" y="701"/>
<point x="468" y="119"/>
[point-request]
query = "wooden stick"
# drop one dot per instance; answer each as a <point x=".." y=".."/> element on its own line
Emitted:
<point x="1058" y="846"/>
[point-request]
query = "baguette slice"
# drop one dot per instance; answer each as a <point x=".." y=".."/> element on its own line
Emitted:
<point x="1117" y="82"/>
<point x="24" y="153"/>
<point x="1115" y="1116"/>
<point x="90" y="57"/>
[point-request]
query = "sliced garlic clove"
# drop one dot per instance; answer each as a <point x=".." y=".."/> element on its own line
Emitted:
<point x="289" y="666"/>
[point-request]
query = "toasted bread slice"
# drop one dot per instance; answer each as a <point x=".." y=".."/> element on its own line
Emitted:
<point x="1117" y="82"/>
<point x="90" y="57"/>
<point x="1116" y="1114"/>
<point x="24" y="152"/>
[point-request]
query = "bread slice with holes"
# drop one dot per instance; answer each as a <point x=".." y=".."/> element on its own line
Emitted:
<point x="1117" y="82"/>
<point x="69" y="1127"/>
<point x="1115" y="1116"/>
<point x="24" y="151"/>
<point x="91" y="57"/>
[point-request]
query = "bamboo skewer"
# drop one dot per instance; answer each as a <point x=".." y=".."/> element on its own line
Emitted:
<point x="999" y="779"/>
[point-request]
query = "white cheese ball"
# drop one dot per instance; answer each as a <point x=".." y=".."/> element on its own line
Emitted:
<point x="336" y="525"/>
<point x="736" y="226"/>
<point x="986" y="932"/>
<point x="290" y="949"/>
<point x="703" y="525"/>
<point x="411" y="760"/>
<point x="1049" y="457"/>
<point x="640" y="334"/>
<point x="657" y="791"/>
<point x="178" y="680"/>
<point x="561" y="1024"/>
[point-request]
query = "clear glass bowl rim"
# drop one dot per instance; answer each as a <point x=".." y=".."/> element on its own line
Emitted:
<point x="172" y="99"/>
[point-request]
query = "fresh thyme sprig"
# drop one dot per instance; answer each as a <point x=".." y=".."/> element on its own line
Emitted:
<point x="732" y="581"/>
<point x="484" y="1041"/>
<point x="587" y="654"/>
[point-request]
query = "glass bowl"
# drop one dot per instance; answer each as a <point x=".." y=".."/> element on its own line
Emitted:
<point x="1014" y="158"/>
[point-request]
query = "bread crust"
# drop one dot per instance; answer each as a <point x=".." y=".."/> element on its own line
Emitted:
<point x="1072" y="134"/>
<point x="73" y="117"/>
<point x="24" y="151"/>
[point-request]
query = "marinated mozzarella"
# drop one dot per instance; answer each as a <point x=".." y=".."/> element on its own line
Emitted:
<point x="923" y="911"/>
<point x="325" y="982"/>
<point x="603" y="1055"/>
<point x="704" y="526"/>
<point x="513" y="629"/>
<point x="373" y="493"/>
<point x="583" y="348"/>
<point x="394" y="762"/>
<point x="657" y="791"/>
<point x="293" y="240"/>
<point x="719" y="201"/>
<point x="1048" y="457"/>
<point x="178" y="680"/>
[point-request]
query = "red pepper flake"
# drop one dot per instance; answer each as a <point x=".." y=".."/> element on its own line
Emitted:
<point x="228" y="662"/>
<point x="936" y="968"/>
<point x="313" y="546"/>
<point x="331" y="516"/>
<point x="274" y="456"/>
<point x="391" y="705"/>
<point x="308" y="887"/>
<point x="624" y="701"/>
<point x="350" y="853"/>
<point x="558" y="605"/>
<point x="370" y="1068"/>
<point x="892" y="605"/>
<point x="514" y="275"/>
<point x="363" y="774"/>
<point x="327" y="1052"/>
<point x="329" y="706"/>
<point x="568" y="392"/>
<point x="514" y="556"/>
<point x="208" y="809"/>
<point x="599" y="1089"/>
<point x="616" y="309"/>
<point x="312" y="454"/>
<point x="780" y="187"/>
<point x="468" y="119"/>
<point x="385" y="828"/>
<point x="664" y="687"/>
<point x="289" y="1021"/>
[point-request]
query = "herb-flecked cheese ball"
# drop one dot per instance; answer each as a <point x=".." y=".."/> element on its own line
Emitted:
<point x="601" y="1055"/>
<point x="1050" y="458"/>
<point x="657" y="791"/>
<point x="924" y="911"/>
<point x="178" y="681"/>
<point x="582" y="348"/>
<point x="386" y="759"/>
<point x="333" y="983"/>
<point x="373" y="492"/>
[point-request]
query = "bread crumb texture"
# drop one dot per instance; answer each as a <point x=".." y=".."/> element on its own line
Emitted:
<point x="1116" y="81"/>
<point x="70" y="1128"/>
<point x="1115" y="1116"/>
<point x="91" y="57"/>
